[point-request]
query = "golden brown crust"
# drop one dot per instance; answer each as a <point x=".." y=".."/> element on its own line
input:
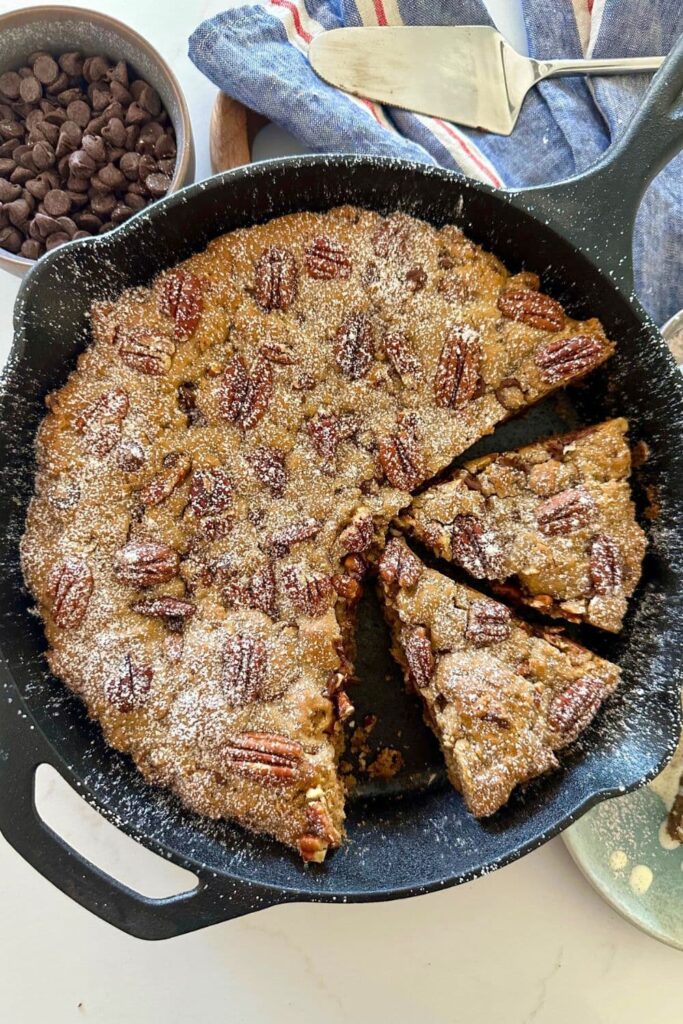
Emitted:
<point x="501" y="697"/>
<point x="554" y="520"/>
<point x="233" y="436"/>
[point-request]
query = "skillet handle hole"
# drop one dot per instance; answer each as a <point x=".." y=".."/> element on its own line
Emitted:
<point x="84" y="829"/>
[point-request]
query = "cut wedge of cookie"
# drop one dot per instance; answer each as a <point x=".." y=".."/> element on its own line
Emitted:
<point x="501" y="696"/>
<point x="554" y="520"/>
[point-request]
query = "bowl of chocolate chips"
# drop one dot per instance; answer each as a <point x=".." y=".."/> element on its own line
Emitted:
<point x="93" y="128"/>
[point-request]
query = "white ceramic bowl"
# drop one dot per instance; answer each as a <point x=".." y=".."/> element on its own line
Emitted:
<point x="59" y="29"/>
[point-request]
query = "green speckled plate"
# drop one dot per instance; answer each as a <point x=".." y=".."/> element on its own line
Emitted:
<point x="628" y="827"/>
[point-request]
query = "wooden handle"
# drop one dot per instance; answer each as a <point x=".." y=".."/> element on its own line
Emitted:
<point x="232" y="132"/>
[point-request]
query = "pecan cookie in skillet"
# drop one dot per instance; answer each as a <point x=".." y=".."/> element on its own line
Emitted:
<point x="220" y="469"/>
<point x="555" y="519"/>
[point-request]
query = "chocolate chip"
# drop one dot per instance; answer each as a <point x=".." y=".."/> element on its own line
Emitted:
<point x="76" y="184"/>
<point x="30" y="89"/>
<point x="78" y="111"/>
<point x="66" y="224"/>
<point x="95" y="68"/>
<point x="120" y="94"/>
<point x="57" y="202"/>
<point x="7" y="165"/>
<point x="56" y="116"/>
<point x="164" y="147"/>
<point x="81" y="234"/>
<point x="21" y="175"/>
<point x="8" y="191"/>
<point x="158" y="184"/>
<point x="134" y="202"/>
<point x="60" y="83"/>
<point x="101" y="98"/>
<point x="81" y="165"/>
<point x="58" y="238"/>
<point x="10" y="239"/>
<point x="94" y="146"/>
<point x="9" y="85"/>
<point x="71" y="63"/>
<point x="70" y="136"/>
<point x="118" y="73"/>
<point x="87" y="221"/>
<point x="44" y="225"/>
<point x="46" y="69"/>
<point x="120" y="213"/>
<point x="43" y="156"/>
<point x="166" y="167"/>
<point x="129" y="164"/>
<point x="18" y="211"/>
<point x="69" y="96"/>
<point x="111" y="176"/>
<point x="103" y="204"/>
<point x="115" y="132"/>
<point x="31" y="248"/>
<point x="137" y="114"/>
<point x="11" y="130"/>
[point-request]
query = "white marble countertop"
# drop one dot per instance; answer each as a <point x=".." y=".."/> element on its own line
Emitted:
<point x="532" y="943"/>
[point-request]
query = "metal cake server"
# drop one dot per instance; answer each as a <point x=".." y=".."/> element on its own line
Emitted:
<point x="468" y="74"/>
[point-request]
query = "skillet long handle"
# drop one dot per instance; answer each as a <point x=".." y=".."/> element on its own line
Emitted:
<point x="597" y="209"/>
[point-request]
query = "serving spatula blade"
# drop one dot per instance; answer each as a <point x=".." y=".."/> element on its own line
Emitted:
<point x="468" y="74"/>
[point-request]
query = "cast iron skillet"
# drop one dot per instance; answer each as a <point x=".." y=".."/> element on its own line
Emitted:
<point x="416" y="837"/>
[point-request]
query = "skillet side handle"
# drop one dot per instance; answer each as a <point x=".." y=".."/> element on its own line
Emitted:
<point x="22" y="750"/>
<point x="597" y="209"/>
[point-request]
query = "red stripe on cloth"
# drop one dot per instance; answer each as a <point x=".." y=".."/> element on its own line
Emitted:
<point x="493" y="178"/>
<point x="292" y="8"/>
<point x="589" y="5"/>
<point x="371" y="107"/>
<point x="380" y="13"/>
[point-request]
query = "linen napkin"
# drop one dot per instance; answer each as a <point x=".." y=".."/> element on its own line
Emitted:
<point x="258" y="55"/>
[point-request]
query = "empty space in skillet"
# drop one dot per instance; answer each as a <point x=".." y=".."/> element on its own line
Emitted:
<point x="418" y="836"/>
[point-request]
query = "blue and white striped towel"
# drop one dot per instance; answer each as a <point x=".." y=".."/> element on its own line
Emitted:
<point x="258" y="54"/>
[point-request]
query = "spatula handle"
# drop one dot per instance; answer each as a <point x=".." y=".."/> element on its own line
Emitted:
<point x="611" y="66"/>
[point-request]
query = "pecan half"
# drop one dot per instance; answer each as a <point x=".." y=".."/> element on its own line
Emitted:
<point x="416" y="279"/>
<point x="70" y="586"/>
<point x="147" y="351"/>
<point x="565" y="512"/>
<point x="391" y="237"/>
<point x="532" y="308"/>
<point x="322" y="835"/>
<point x="102" y="421"/>
<point x="130" y="689"/>
<point x="357" y="537"/>
<point x="354" y="346"/>
<point x="419" y="656"/>
<point x="282" y="541"/>
<point x="264" y="756"/>
<point x="130" y="456"/>
<point x="210" y="492"/>
<point x="348" y="587"/>
<point x="401" y="457"/>
<point x="187" y="403"/>
<point x="457" y="374"/>
<point x="572" y="709"/>
<point x="400" y="354"/>
<point x="175" y="611"/>
<point x="180" y="297"/>
<point x="244" y="669"/>
<point x="145" y="563"/>
<point x="175" y="467"/>
<point x="327" y="258"/>
<point x="568" y="358"/>
<point x="275" y="279"/>
<point x="311" y="594"/>
<point x="487" y="623"/>
<point x="606" y="567"/>
<point x="258" y="593"/>
<point x="268" y="465"/>
<point x="278" y="353"/>
<point x="399" y="567"/>
<point x="244" y="397"/>
<point x="475" y="548"/>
